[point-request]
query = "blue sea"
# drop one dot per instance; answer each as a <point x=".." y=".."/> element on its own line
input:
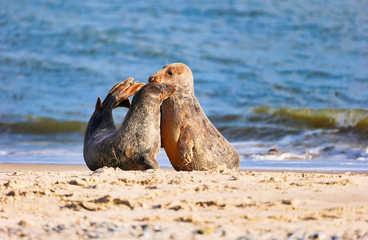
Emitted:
<point x="286" y="82"/>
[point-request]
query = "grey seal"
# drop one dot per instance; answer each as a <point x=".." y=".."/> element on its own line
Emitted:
<point x="136" y="143"/>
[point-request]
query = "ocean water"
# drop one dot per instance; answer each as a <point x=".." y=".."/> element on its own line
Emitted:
<point x="286" y="82"/>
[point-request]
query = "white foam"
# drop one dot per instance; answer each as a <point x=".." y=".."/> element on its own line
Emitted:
<point x="3" y="153"/>
<point x="363" y="156"/>
<point x="282" y="157"/>
<point x="62" y="152"/>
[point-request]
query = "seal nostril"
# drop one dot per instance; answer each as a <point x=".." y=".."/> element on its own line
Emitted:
<point x="151" y="79"/>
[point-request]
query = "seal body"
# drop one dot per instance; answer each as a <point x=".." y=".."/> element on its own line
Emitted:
<point x="190" y="140"/>
<point x="136" y="143"/>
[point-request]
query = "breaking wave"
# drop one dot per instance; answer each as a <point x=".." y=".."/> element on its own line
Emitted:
<point x="41" y="125"/>
<point x="314" y="118"/>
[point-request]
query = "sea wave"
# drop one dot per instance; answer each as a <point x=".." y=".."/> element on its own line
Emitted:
<point x="263" y="123"/>
<point x="42" y="125"/>
<point x="313" y="118"/>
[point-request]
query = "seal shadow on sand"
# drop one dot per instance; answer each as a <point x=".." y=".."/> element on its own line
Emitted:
<point x="163" y="111"/>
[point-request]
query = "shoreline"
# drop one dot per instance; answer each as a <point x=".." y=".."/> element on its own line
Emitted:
<point x="11" y="167"/>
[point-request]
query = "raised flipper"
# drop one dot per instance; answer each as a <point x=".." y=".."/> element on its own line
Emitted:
<point x="98" y="104"/>
<point x="119" y="95"/>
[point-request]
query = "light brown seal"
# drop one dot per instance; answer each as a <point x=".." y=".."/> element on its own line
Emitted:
<point x="190" y="140"/>
<point x="136" y="143"/>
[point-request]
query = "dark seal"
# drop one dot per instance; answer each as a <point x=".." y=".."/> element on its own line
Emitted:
<point x="136" y="143"/>
<point x="190" y="140"/>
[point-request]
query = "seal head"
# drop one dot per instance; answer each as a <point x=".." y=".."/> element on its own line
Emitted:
<point x="177" y="74"/>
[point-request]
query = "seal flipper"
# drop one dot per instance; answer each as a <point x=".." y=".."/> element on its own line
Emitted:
<point x="119" y="94"/>
<point x="124" y="103"/>
<point x="186" y="145"/>
<point x="147" y="162"/>
<point x="98" y="104"/>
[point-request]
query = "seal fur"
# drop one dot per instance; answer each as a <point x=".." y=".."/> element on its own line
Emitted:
<point x="136" y="143"/>
<point x="189" y="138"/>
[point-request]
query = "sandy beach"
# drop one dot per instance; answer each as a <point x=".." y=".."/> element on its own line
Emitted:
<point x="71" y="202"/>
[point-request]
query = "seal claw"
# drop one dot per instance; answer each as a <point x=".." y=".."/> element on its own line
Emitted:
<point x="126" y="83"/>
<point x="135" y="88"/>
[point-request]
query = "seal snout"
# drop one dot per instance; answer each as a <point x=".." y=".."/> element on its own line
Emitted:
<point x="153" y="78"/>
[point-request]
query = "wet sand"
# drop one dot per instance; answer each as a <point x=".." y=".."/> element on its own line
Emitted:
<point x="70" y="202"/>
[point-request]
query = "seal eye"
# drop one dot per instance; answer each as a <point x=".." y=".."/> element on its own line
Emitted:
<point x="169" y="72"/>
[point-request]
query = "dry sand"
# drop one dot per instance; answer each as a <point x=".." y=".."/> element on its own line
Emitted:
<point x="43" y="202"/>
